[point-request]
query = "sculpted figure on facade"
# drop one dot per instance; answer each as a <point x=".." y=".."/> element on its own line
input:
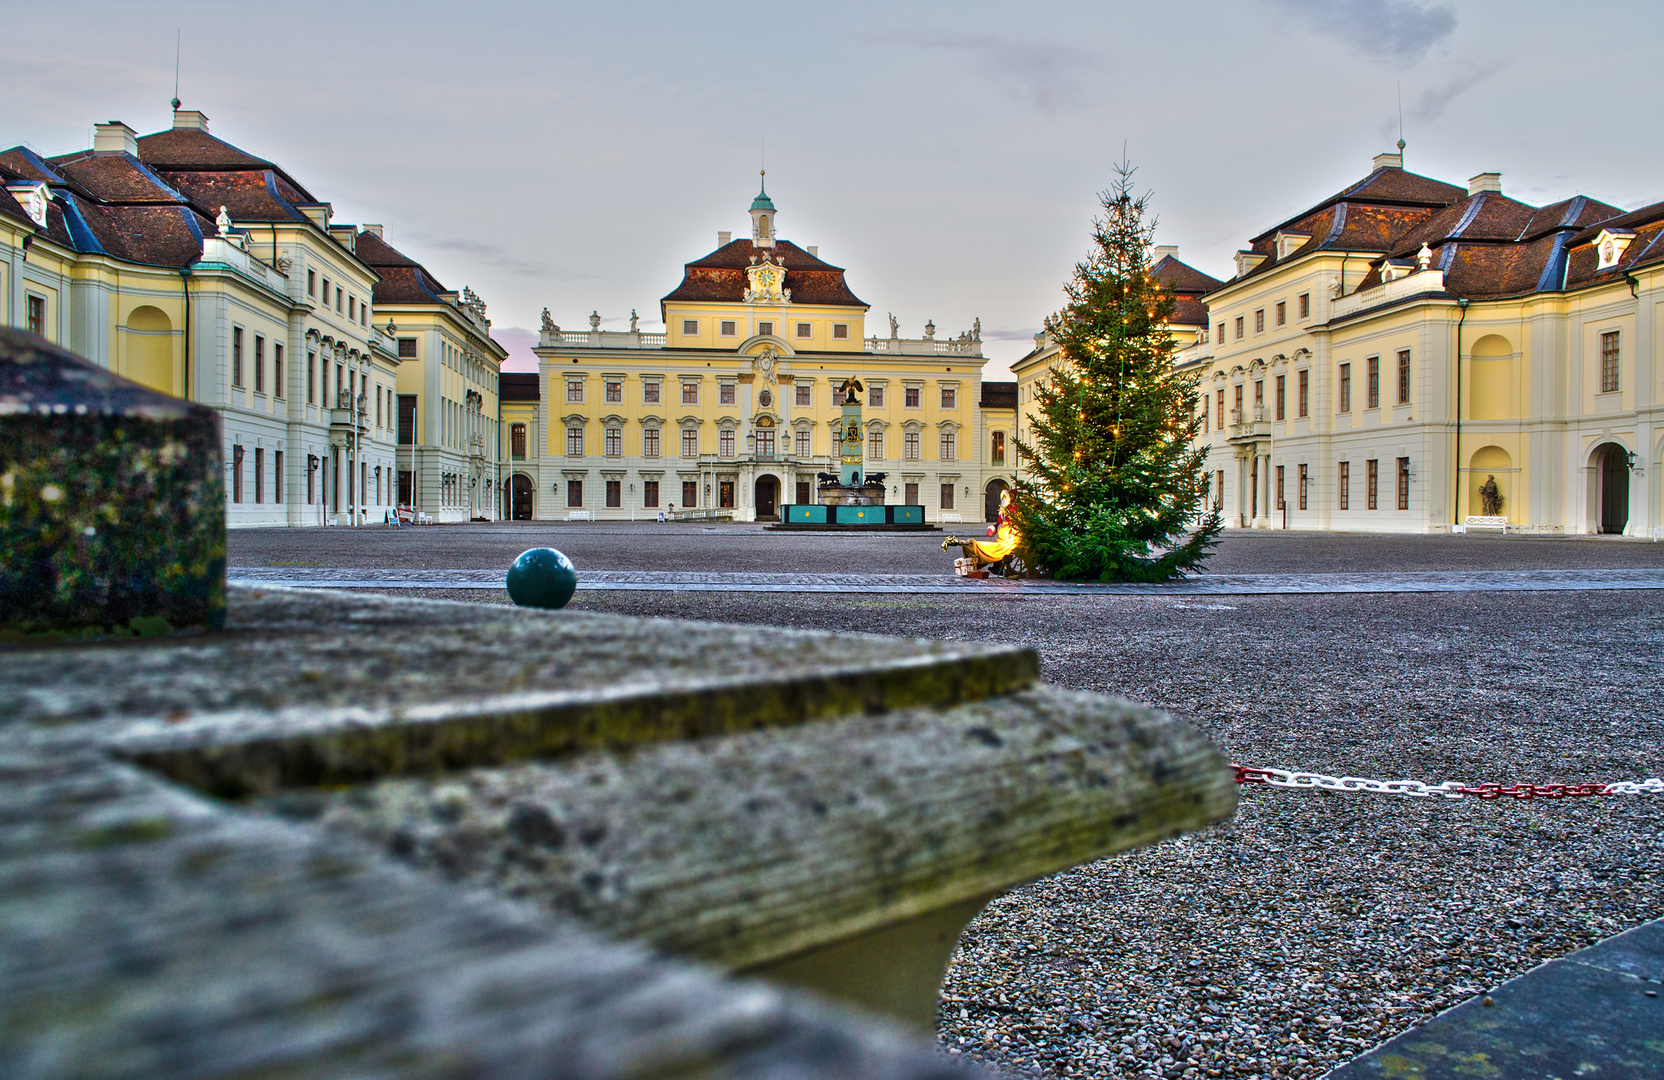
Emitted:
<point x="549" y="326"/>
<point x="1491" y="497"/>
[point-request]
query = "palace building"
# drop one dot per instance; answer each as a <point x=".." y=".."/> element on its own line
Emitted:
<point x="347" y="378"/>
<point x="1409" y="354"/>
<point x="733" y="411"/>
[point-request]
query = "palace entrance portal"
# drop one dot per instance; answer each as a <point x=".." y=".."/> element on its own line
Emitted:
<point x="768" y="495"/>
<point x="1613" y="470"/>
<point x="520" y="497"/>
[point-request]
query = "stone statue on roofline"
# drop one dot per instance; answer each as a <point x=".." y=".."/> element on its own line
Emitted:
<point x="549" y="326"/>
<point x="223" y="222"/>
<point x="895" y="327"/>
<point x="633" y="320"/>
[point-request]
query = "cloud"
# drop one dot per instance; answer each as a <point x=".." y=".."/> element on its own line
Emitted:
<point x="1397" y="31"/>
<point x="518" y="341"/>
<point x="1431" y="102"/>
<point x="492" y="255"/>
<point x="1040" y="74"/>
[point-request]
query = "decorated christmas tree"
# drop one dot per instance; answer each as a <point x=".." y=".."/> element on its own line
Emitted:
<point x="1115" y="487"/>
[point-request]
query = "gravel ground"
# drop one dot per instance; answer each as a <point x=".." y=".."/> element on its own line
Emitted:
<point x="1311" y="926"/>
<point x="752" y="548"/>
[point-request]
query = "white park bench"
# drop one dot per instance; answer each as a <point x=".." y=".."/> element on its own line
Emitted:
<point x="1484" y="521"/>
<point x="578" y="515"/>
<point x="951" y="515"/>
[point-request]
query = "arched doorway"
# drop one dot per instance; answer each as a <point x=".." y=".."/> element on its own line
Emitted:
<point x="520" y="497"/>
<point x="1612" y="473"/>
<point x="768" y="496"/>
<point x="991" y="500"/>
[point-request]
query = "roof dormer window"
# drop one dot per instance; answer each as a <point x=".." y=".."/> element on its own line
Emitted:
<point x="34" y="197"/>
<point x="1610" y="245"/>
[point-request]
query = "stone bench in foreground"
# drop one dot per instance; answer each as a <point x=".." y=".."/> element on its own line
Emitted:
<point x="359" y="836"/>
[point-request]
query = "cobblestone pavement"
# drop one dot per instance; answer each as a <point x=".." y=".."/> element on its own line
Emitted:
<point x="947" y="584"/>
<point x="652" y="547"/>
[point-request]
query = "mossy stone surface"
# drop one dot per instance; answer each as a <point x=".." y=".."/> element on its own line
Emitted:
<point x="112" y="502"/>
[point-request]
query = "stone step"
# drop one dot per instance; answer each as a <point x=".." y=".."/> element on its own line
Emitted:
<point x="310" y="688"/>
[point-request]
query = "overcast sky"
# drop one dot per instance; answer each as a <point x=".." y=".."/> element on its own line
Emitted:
<point x="948" y="155"/>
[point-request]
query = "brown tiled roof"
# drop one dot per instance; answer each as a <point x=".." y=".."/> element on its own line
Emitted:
<point x="116" y="178"/>
<point x="519" y="386"/>
<point x="1183" y="278"/>
<point x="9" y="206"/>
<point x="247" y="196"/>
<point x="999" y="395"/>
<point x="1647" y="224"/>
<point x="160" y="235"/>
<point x="190" y="149"/>
<point x="403" y="279"/>
<point x="1384" y="186"/>
<point x="1188" y="311"/>
<point x="720" y="276"/>
<point x="1570" y="213"/>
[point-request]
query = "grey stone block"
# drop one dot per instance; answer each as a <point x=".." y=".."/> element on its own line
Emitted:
<point x="112" y="506"/>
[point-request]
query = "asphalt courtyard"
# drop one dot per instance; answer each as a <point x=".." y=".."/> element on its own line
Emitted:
<point x="1311" y="926"/>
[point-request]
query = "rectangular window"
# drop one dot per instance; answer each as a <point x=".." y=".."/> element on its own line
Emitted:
<point x="725" y="494"/>
<point x="1305" y="305"/>
<point x="407" y="419"/>
<point x="1344" y="484"/>
<point x="1259" y="320"/>
<point x="259" y="365"/>
<point x="1220" y="394"/>
<point x="840" y="331"/>
<point x="277" y="371"/>
<point x="311" y="288"/>
<point x="236" y="356"/>
<point x="650" y="442"/>
<point x="236" y="474"/>
<point x="517" y="442"/>
<point x="1259" y="398"/>
<point x="1372" y="478"/>
<point x="259" y="475"/>
<point x="875" y="397"/>
<point x="1219" y="488"/>
<point x="949" y="398"/>
<point x="1303" y="479"/>
<point x="615" y="493"/>
<point x="804" y="494"/>
<point x="615" y="391"/>
<point x="614" y="444"/>
<point x="728" y="328"/>
<point x="1609" y="362"/>
<point x="763" y="440"/>
<point x="910" y="494"/>
<point x="765" y="328"/>
<point x="803" y="329"/>
<point x="726" y="394"/>
<point x="1282" y="312"/>
<point x="690" y="393"/>
<point x="1219" y="334"/>
<point x="277" y="477"/>
<point x="1282" y="396"/>
<point x="650" y="493"/>
<point x="1372" y="384"/>
<point x="803" y="447"/>
<point x="1345" y="388"/>
<point x="575" y="493"/>
<point x="37" y="316"/>
<point x="326" y="292"/>
<point x="910" y="446"/>
<point x="574" y="442"/>
<point x="1305" y="394"/>
<point x="1280" y="503"/>
<point x="650" y="393"/>
<point x="339" y="292"/>
<point x="947" y="496"/>
<point x="1237" y="398"/>
<point x="725" y="442"/>
<point x="1403" y="483"/>
<point x="352" y="306"/>
<point x="801" y="392"/>
<point x="910" y="397"/>
<point x="948" y="450"/>
<point x="690" y="442"/>
<point x="1404" y="376"/>
<point x="1239" y="327"/>
<point x="574" y="391"/>
<point x="875" y="446"/>
<point x="407" y="348"/>
<point x="690" y="493"/>
<point x="996" y="449"/>
<point x="690" y="327"/>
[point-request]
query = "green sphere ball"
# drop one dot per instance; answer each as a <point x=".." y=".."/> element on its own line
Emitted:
<point x="542" y="577"/>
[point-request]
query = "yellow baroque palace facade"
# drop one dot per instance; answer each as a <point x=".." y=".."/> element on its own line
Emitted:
<point x="1410" y="355"/>
<point x="733" y="410"/>
<point x="347" y="378"/>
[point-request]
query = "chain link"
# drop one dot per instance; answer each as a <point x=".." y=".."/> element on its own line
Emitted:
<point x="1450" y="789"/>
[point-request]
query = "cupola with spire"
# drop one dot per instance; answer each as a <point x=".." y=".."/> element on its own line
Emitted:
<point x="762" y="217"/>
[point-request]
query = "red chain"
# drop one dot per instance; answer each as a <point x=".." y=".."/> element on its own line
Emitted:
<point x="1247" y="774"/>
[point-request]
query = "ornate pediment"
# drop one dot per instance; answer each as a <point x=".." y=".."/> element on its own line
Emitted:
<point x="766" y="282"/>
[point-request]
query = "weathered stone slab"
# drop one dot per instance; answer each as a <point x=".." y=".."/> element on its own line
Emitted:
<point x="749" y="849"/>
<point x="149" y="932"/>
<point x="1597" y="1012"/>
<point x="309" y="688"/>
<point x="112" y="503"/>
